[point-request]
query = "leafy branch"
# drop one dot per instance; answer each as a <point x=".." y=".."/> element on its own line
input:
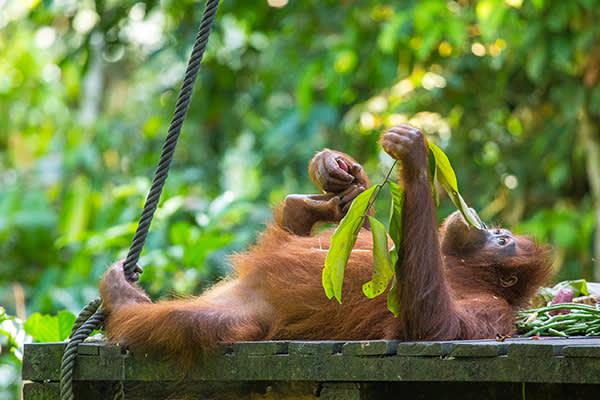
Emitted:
<point x="385" y="263"/>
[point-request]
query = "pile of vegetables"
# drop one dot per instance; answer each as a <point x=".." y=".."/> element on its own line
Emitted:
<point x="573" y="310"/>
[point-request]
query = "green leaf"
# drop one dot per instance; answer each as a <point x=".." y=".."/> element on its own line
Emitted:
<point x="342" y="242"/>
<point x="397" y="192"/>
<point x="594" y="104"/>
<point x="396" y="213"/>
<point x="430" y="38"/>
<point x="393" y="298"/>
<point x="383" y="269"/>
<point x="447" y="178"/>
<point x="444" y="169"/>
<point x="539" y="4"/>
<point x="388" y="39"/>
<point x="195" y="252"/>
<point x="65" y="324"/>
<point x="304" y="88"/>
<point x="490" y="15"/>
<point x="394" y="254"/>
<point x="48" y="328"/>
<point x="456" y="31"/>
<point x="433" y="178"/>
<point x="76" y="211"/>
<point x="537" y="62"/>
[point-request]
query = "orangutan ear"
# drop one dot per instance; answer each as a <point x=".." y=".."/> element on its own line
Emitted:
<point x="508" y="281"/>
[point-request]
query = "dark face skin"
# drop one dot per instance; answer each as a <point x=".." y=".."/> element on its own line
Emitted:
<point x="460" y="239"/>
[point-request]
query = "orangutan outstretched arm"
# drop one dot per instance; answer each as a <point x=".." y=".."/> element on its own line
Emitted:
<point x="423" y="288"/>
<point x="181" y="329"/>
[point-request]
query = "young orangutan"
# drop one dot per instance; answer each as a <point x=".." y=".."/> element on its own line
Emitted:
<point x="456" y="282"/>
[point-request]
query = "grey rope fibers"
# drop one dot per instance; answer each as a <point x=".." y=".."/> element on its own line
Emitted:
<point x="92" y="317"/>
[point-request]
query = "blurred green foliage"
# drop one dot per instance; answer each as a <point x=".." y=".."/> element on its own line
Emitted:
<point x="48" y="328"/>
<point x="87" y="89"/>
<point x="12" y="338"/>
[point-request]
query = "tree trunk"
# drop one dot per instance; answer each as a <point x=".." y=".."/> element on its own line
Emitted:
<point x="591" y="144"/>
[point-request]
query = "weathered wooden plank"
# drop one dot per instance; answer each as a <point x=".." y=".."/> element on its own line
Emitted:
<point x="40" y="361"/>
<point x="484" y="349"/>
<point x="533" y="350"/>
<point x="260" y="348"/>
<point x="41" y="391"/>
<point x="581" y="351"/>
<point x="424" y="349"/>
<point x="549" y="361"/>
<point x="324" y="348"/>
<point x="82" y="390"/>
<point x="370" y="348"/>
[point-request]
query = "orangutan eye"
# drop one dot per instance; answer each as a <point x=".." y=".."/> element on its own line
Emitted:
<point x="502" y="241"/>
<point x="497" y="232"/>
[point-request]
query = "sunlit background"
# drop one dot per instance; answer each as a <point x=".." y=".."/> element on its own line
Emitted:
<point x="509" y="89"/>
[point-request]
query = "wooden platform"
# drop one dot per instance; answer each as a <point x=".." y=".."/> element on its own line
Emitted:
<point x="545" y="369"/>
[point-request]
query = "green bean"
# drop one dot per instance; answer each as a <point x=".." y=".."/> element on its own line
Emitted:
<point x="582" y="319"/>
<point x="592" y="328"/>
<point x="576" y="328"/>
<point x="557" y="333"/>
<point x="548" y="326"/>
<point x="563" y="306"/>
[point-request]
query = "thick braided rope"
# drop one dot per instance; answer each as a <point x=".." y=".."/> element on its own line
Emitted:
<point x="70" y="354"/>
<point x="91" y="317"/>
<point x="85" y="314"/>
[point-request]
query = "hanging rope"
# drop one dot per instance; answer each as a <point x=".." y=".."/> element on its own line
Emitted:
<point x="91" y="317"/>
<point x="68" y="360"/>
<point x="85" y="314"/>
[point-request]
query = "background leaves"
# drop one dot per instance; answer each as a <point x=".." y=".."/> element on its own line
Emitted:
<point x="46" y="328"/>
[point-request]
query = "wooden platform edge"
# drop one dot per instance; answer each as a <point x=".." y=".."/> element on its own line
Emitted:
<point x="565" y="361"/>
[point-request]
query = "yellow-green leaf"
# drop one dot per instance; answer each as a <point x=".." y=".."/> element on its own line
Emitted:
<point x="342" y="242"/>
<point x="48" y="328"/>
<point x="77" y="208"/>
<point x="433" y="178"/>
<point x="383" y="269"/>
<point x="396" y="213"/>
<point x="447" y="178"/>
<point x="396" y="235"/>
<point x="444" y="169"/>
<point x="393" y="298"/>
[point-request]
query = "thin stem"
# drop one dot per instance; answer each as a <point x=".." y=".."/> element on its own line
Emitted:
<point x="380" y="186"/>
<point x="374" y="196"/>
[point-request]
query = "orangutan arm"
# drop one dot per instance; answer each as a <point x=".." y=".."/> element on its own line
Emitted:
<point x="425" y="303"/>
